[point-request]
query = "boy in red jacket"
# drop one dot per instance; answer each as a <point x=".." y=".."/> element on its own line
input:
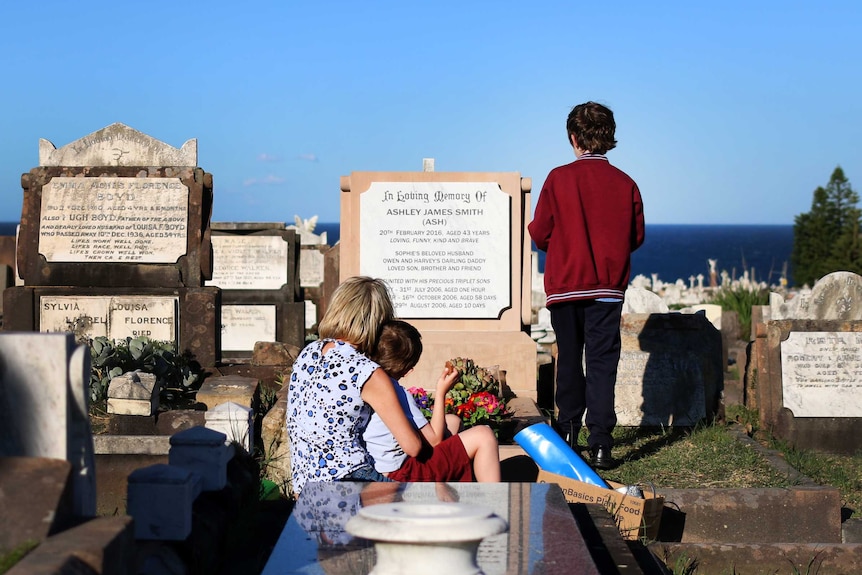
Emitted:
<point x="589" y="219"/>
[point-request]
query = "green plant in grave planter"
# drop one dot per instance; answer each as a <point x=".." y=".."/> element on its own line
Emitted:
<point x="176" y="375"/>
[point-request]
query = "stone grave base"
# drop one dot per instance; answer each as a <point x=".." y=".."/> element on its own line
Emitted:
<point x="840" y="435"/>
<point x="513" y="352"/>
<point x="720" y="558"/>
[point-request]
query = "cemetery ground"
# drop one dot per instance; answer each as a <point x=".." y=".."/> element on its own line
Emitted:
<point x="732" y="453"/>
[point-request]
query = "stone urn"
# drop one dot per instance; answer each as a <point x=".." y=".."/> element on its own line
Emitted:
<point x="426" y="538"/>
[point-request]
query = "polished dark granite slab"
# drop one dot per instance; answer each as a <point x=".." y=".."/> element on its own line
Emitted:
<point x="543" y="537"/>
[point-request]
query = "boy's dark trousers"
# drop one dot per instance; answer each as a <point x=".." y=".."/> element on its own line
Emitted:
<point x="590" y="329"/>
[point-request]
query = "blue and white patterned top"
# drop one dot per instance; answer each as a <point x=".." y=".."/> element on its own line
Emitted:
<point x="325" y="413"/>
<point x="324" y="509"/>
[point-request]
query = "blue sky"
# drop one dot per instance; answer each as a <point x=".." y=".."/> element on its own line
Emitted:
<point x="730" y="112"/>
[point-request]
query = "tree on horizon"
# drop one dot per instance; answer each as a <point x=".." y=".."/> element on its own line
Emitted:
<point x="827" y="238"/>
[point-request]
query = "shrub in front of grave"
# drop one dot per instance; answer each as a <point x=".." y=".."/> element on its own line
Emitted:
<point x="175" y="373"/>
<point x="740" y="300"/>
<point x="476" y="398"/>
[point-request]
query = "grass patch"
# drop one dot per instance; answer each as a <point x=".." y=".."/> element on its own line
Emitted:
<point x="707" y="456"/>
<point x="841" y="471"/>
<point x="9" y="558"/>
<point x="711" y="456"/>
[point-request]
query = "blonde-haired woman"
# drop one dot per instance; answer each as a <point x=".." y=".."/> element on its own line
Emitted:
<point x="335" y="387"/>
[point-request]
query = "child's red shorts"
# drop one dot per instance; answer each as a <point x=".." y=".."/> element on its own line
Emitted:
<point x="449" y="462"/>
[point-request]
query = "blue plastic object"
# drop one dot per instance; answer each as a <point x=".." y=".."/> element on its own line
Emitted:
<point x="551" y="453"/>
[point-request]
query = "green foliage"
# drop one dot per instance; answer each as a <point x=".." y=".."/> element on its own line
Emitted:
<point x="175" y="374"/>
<point x="827" y="239"/>
<point x="740" y="300"/>
<point x="473" y="379"/>
<point x="748" y="418"/>
<point x="10" y="558"/>
<point x="268" y="397"/>
<point x="684" y="565"/>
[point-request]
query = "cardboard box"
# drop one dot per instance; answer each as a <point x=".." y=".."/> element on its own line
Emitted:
<point x="635" y="517"/>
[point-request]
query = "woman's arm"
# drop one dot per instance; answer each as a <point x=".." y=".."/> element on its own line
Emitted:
<point x="379" y="393"/>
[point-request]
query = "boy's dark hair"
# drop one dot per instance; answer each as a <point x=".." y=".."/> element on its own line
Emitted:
<point x="399" y="348"/>
<point x="593" y="127"/>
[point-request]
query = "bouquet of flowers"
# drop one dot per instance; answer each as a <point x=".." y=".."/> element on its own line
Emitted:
<point x="481" y="408"/>
<point x="476" y="398"/>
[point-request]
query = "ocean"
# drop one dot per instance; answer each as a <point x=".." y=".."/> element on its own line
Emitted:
<point x="678" y="251"/>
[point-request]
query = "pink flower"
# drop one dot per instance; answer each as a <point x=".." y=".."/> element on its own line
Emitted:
<point x="421" y="398"/>
<point x="490" y="402"/>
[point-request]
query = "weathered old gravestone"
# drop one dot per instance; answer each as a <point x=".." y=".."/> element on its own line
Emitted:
<point x="453" y="249"/>
<point x="810" y="388"/>
<point x="44" y="390"/>
<point x="256" y="265"/>
<point x="806" y="371"/>
<point x="835" y="296"/>
<point x="670" y="370"/>
<point x="115" y="240"/>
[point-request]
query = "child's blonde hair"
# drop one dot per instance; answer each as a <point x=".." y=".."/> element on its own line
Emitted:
<point x="358" y="309"/>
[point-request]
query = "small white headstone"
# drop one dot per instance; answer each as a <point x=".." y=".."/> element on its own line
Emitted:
<point x="640" y="300"/>
<point x="640" y="281"/>
<point x="795" y="307"/>
<point x="133" y="393"/>
<point x="311" y="264"/>
<point x="712" y="311"/>
<point x="310" y="314"/>
<point x="235" y="421"/>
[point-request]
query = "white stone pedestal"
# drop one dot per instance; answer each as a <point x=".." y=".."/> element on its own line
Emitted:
<point x="426" y="538"/>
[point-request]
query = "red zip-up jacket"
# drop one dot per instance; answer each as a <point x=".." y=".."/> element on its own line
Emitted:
<point x="589" y="219"/>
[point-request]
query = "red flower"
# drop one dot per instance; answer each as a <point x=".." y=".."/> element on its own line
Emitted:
<point x="465" y="409"/>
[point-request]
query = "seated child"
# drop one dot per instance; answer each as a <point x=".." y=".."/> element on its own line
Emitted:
<point x="465" y="456"/>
